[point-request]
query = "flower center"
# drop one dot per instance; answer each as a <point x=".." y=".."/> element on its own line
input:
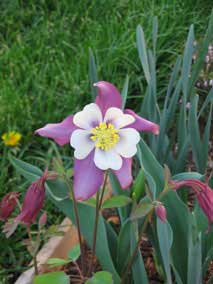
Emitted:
<point x="105" y="135"/>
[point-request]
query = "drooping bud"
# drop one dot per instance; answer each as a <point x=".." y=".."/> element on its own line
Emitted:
<point x="8" y="205"/>
<point x="203" y="193"/>
<point x="33" y="200"/>
<point x="160" y="211"/>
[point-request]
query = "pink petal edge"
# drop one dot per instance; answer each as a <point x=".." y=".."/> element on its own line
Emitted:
<point x="124" y="175"/>
<point x="108" y="96"/>
<point x="87" y="178"/>
<point x="142" y="124"/>
<point x="59" y="132"/>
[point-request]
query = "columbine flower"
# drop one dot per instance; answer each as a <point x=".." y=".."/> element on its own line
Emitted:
<point x="8" y="205"/>
<point x="203" y="193"/>
<point x="160" y="211"/>
<point x="33" y="200"/>
<point x="103" y="136"/>
<point x="11" y="138"/>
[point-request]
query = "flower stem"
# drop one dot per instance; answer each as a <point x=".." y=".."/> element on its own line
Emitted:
<point x="99" y="201"/>
<point x="35" y="264"/>
<point x="75" y="208"/>
<point x="132" y="258"/>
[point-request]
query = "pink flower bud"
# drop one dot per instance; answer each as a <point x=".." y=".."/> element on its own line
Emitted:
<point x="203" y="193"/>
<point x="43" y="219"/>
<point x="160" y="211"/>
<point x="33" y="200"/>
<point x="8" y="205"/>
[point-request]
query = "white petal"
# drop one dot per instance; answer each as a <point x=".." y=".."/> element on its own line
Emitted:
<point x="89" y="117"/>
<point x="118" y="118"/>
<point x="107" y="159"/>
<point x="81" y="142"/>
<point x="129" y="138"/>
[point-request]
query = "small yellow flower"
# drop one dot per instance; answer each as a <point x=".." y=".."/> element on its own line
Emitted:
<point x="11" y="138"/>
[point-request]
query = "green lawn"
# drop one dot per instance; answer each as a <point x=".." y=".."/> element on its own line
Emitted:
<point x="44" y="66"/>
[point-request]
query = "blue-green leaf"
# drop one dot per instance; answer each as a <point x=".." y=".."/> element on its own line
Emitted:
<point x="138" y="269"/>
<point x="116" y="201"/>
<point x="92" y="73"/>
<point x="57" y="261"/>
<point x="74" y="253"/>
<point x="100" y="277"/>
<point x="141" y="45"/>
<point x="52" y="277"/>
<point x="124" y="92"/>
<point x="165" y="241"/>
<point x="187" y="60"/>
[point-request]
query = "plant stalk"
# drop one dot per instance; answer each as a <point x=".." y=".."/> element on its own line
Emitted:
<point x="75" y="208"/>
<point x="35" y="264"/>
<point x="99" y="201"/>
<point x="130" y="263"/>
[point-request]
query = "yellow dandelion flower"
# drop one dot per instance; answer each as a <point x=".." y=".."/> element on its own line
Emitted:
<point x="11" y="138"/>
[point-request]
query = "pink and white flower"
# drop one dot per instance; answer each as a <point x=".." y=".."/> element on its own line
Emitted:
<point x="103" y="137"/>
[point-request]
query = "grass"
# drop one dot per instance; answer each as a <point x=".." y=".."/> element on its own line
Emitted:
<point x="44" y="67"/>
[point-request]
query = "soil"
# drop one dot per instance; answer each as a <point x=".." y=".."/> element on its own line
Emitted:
<point x="74" y="271"/>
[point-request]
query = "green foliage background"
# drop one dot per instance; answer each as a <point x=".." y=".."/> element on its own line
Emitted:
<point x="44" y="70"/>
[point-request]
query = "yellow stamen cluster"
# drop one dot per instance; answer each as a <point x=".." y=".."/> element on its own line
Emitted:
<point x="105" y="135"/>
<point x="11" y="138"/>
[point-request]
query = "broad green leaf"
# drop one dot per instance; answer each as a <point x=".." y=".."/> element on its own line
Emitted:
<point x="182" y="130"/>
<point x="170" y="106"/>
<point x="123" y="250"/>
<point x="187" y="60"/>
<point x="205" y="144"/>
<point x="92" y="73"/>
<point x="29" y="171"/>
<point x="52" y="277"/>
<point x="172" y="82"/>
<point x="151" y="185"/>
<point x="101" y="277"/>
<point x="112" y="240"/>
<point x="74" y="253"/>
<point x="187" y="175"/>
<point x="138" y="269"/>
<point x="138" y="188"/>
<point x="142" y="209"/>
<point x="180" y="164"/>
<point x="207" y="261"/>
<point x="124" y="92"/>
<point x="57" y="261"/>
<point x="141" y="45"/>
<point x="194" y="261"/>
<point x="202" y="226"/>
<point x="151" y="165"/>
<point x="178" y="217"/>
<point x="91" y="201"/>
<point x="194" y="132"/>
<point x="208" y="99"/>
<point x="116" y="201"/>
<point x="165" y="241"/>
<point x="176" y="274"/>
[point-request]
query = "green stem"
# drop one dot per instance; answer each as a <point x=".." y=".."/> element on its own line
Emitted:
<point x="75" y="208"/>
<point x="132" y="258"/>
<point x="99" y="201"/>
<point x="103" y="191"/>
<point x="35" y="264"/>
